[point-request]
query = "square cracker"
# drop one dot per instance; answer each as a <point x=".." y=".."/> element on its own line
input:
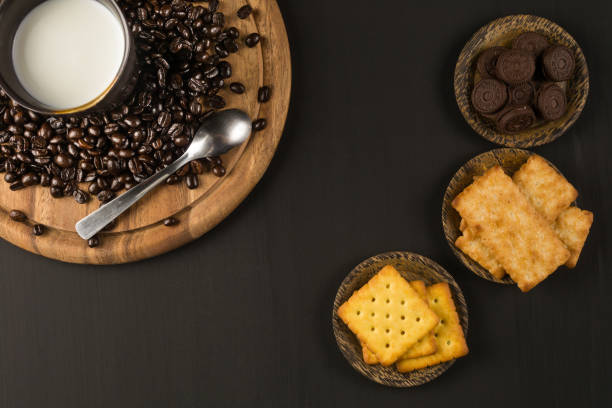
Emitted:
<point x="471" y="244"/>
<point x="518" y="236"/>
<point x="547" y="190"/>
<point x="425" y="346"/>
<point x="388" y="315"/>
<point x="573" y="226"/>
<point x="448" y="333"/>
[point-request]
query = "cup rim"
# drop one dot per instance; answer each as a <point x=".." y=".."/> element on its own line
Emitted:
<point x="127" y="49"/>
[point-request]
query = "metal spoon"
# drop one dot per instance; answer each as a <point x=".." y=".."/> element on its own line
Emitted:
<point x="220" y="133"/>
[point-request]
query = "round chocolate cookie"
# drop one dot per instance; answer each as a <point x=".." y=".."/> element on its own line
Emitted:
<point x="558" y="63"/>
<point x="489" y="95"/>
<point x="487" y="61"/>
<point x="551" y="102"/>
<point x="522" y="94"/>
<point x="515" y="66"/>
<point x="514" y="119"/>
<point x="532" y="42"/>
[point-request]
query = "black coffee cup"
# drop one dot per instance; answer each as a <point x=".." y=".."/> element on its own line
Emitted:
<point x="12" y="13"/>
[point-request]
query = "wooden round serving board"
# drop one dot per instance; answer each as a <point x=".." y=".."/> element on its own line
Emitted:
<point x="140" y="233"/>
<point x="508" y="159"/>
<point x="411" y="267"/>
<point x="501" y="32"/>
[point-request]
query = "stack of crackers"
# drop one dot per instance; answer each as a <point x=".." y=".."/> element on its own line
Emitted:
<point x="403" y="322"/>
<point x="522" y="226"/>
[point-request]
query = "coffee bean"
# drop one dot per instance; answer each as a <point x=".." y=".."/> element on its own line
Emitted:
<point x="80" y="196"/>
<point x="63" y="160"/>
<point x="237" y="87"/>
<point x="252" y="40"/>
<point x="38" y="229"/>
<point x="10" y="177"/>
<point x="191" y="180"/>
<point x="105" y="196"/>
<point x="17" y="185"/>
<point x="244" y="12"/>
<point x="170" y="222"/>
<point x="93" y="242"/>
<point x="29" y="179"/>
<point x="264" y="93"/>
<point x="17" y="216"/>
<point x="259" y="124"/>
<point x="219" y="171"/>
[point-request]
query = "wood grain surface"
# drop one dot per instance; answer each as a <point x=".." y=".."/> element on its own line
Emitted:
<point x="411" y="267"/>
<point x="140" y="232"/>
<point x="501" y="32"/>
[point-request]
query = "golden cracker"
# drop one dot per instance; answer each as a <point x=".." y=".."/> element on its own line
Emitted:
<point x="547" y="190"/>
<point x="573" y="226"/>
<point x="471" y="244"/>
<point x="387" y="315"/>
<point x="518" y="236"/>
<point x="448" y="333"/>
<point x="425" y="346"/>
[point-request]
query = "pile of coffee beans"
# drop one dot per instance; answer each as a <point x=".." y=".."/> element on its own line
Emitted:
<point x="181" y="48"/>
<point x="522" y="83"/>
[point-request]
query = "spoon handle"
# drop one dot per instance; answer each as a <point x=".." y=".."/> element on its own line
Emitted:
<point x="97" y="220"/>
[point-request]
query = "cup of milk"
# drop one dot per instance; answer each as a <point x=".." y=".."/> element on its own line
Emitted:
<point x="66" y="56"/>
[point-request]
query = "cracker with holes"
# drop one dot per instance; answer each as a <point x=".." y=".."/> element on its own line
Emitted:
<point x="448" y="333"/>
<point x="573" y="226"/>
<point x="545" y="188"/>
<point x="388" y="315"/>
<point x="517" y="235"/>
<point x="425" y="346"/>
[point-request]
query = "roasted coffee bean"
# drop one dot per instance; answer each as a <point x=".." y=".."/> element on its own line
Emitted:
<point x="197" y="167"/>
<point x="219" y="171"/>
<point x="215" y="102"/>
<point x="264" y="93"/>
<point x="80" y="196"/>
<point x="45" y="180"/>
<point x="17" y="216"/>
<point x="38" y="229"/>
<point x="105" y="196"/>
<point x="63" y="160"/>
<point x="181" y="141"/>
<point x="94" y="188"/>
<point x="10" y="177"/>
<point x="170" y="222"/>
<point x="252" y="40"/>
<point x="93" y="242"/>
<point x="45" y="131"/>
<point x="237" y="87"/>
<point x="75" y="134"/>
<point x="17" y="185"/>
<point x="225" y="69"/>
<point x="244" y="12"/>
<point x="173" y="179"/>
<point x="29" y="179"/>
<point x="191" y="180"/>
<point x="259" y="124"/>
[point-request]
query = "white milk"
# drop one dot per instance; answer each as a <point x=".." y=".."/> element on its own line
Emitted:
<point x="66" y="53"/>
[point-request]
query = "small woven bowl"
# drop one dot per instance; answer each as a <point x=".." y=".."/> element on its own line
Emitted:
<point x="411" y="267"/>
<point x="508" y="159"/>
<point x="501" y="32"/>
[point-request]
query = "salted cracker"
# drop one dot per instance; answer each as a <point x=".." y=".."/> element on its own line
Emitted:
<point x="518" y="236"/>
<point x="471" y="244"/>
<point x="448" y="333"/>
<point x="388" y="315"/>
<point x="546" y="189"/>
<point x="573" y="226"/>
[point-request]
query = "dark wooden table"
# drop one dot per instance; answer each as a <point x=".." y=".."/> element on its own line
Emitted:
<point x="241" y="317"/>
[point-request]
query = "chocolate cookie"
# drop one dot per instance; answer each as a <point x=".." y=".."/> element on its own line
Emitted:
<point x="514" y="119"/>
<point x="487" y="61"/>
<point x="558" y="63"/>
<point x="515" y="66"/>
<point x="532" y="42"/>
<point x="522" y="94"/>
<point x="489" y="95"/>
<point x="551" y="102"/>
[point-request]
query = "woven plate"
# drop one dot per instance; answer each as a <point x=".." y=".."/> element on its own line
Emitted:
<point x="411" y="267"/>
<point x="501" y="32"/>
<point x="510" y="160"/>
